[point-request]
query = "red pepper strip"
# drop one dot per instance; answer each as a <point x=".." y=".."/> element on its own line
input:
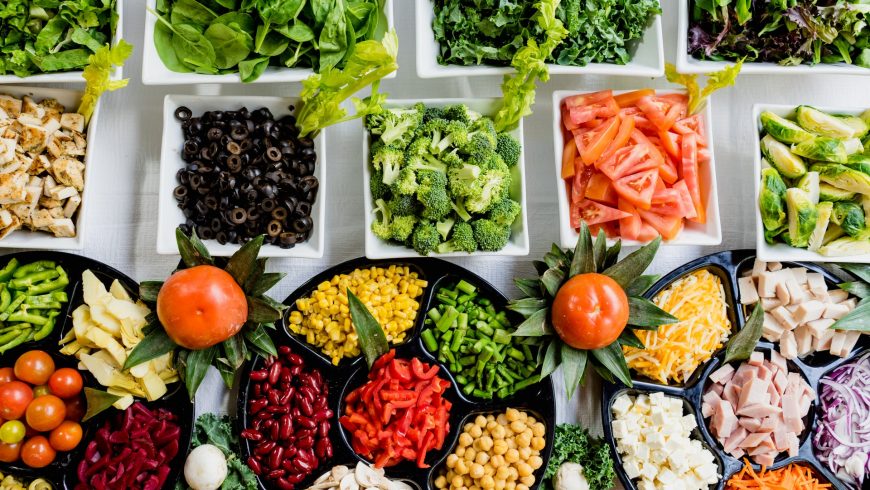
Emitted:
<point x="440" y="426"/>
<point x="420" y="372"/>
<point x="400" y="395"/>
<point x="399" y="370"/>
<point x="403" y="403"/>
<point x="386" y="413"/>
<point x="381" y="362"/>
<point x="424" y="446"/>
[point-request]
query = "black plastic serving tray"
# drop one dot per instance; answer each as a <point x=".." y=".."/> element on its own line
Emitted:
<point x="62" y="473"/>
<point x="729" y="266"/>
<point x="538" y="400"/>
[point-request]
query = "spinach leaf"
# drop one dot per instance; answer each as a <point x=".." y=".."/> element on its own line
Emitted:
<point x="191" y="12"/>
<point x="192" y="47"/>
<point x="250" y="70"/>
<point x="165" y="49"/>
<point x="333" y="38"/>
<point x="230" y="46"/>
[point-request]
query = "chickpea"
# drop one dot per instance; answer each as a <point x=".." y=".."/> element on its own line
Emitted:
<point x="441" y="482"/>
<point x="456" y="482"/>
<point x="530" y="420"/>
<point x="461" y="467"/>
<point x="497" y="461"/>
<point x="465" y="439"/>
<point x="488" y="470"/>
<point x="538" y="443"/>
<point x="525" y="453"/>
<point x="480" y="421"/>
<point x="460" y="451"/>
<point x="502" y="473"/>
<point x="474" y="487"/>
<point x="482" y="457"/>
<point x="524" y="469"/>
<point x="518" y="426"/>
<point x="467" y="427"/>
<point x="512" y="456"/>
<point x="498" y="432"/>
<point x="538" y="430"/>
<point x="512" y="443"/>
<point x="467" y="480"/>
<point x="476" y="431"/>
<point x="499" y="446"/>
<point x="487" y="482"/>
<point x="514" y="473"/>
<point x="500" y="484"/>
<point x="451" y="460"/>
<point x="523" y="440"/>
<point x="524" y="416"/>
<point x="502" y="419"/>
<point x="512" y="414"/>
<point x="491" y="425"/>
<point x="536" y="461"/>
<point x="490" y="418"/>
<point x="510" y="486"/>
<point x="470" y="453"/>
<point x="528" y="480"/>
<point x="486" y="443"/>
<point x="522" y="487"/>
<point x="476" y="471"/>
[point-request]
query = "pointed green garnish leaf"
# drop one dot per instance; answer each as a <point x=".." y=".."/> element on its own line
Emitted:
<point x="612" y="255"/>
<point x="372" y="341"/>
<point x="859" y="289"/>
<point x="535" y="326"/>
<point x="584" y="256"/>
<point x="527" y="306"/>
<point x="641" y="285"/>
<point x="148" y="290"/>
<point x="192" y="250"/>
<point x="235" y="351"/>
<point x="628" y="338"/>
<point x="856" y="320"/>
<point x="264" y="310"/>
<point x="243" y="263"/>
<point x="862" y="271"/>
<point x="573" y="367"/>
<point x="599" y="250"/>
<point x="552" y="280"/>
<point x="630" y="268"/>
<point x="196" y="365"/>
<point x="97" y="401"/>
<point x="552" y="358"/>
<point x="644" y="313"/>
<point x="612" y="359"/>
<point x="265" y="282"/>
<point x="154" y="345"/>
<point x="530" y="287"/>
<point x="742" y="344"/>
<point x="260" y="340"/>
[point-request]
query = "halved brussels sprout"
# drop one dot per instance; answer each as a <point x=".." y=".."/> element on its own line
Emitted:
<point x="770" y="199"/>
<point x="856" y="123"/>
<point x="853" y="146"/>
<point x="781" y="158"/>
<point x="817" y="239"/>
<point x="822" y="149"/>
<point x="861" y="166"/>
<point x="782" y="129"/>
<point x="823" y="124"/>
<point x="859" y="158"/>
<point x="834" y="232"/>
<point x="843" y="177"/>
<point x="865" y="116"/>
<point x="773" y="236"/>
<point x="865" y="204"/>
<point x="845" y="246"/>
<point x="850" y="217"/>
<point x="802" y="216"/>
<point x="810" y="184"/>
<point x="827" y="192"/>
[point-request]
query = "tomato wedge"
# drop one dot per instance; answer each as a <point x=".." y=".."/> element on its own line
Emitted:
<point x="629" y="227"/>
<point x="689" y="170"/>
<point x="668" y="226"/>
<point x="670" y="142"/>
<point x="626" y="127"/>
<point x="640" y="139"/>
<point x="586" y="107"/>
<point x="628" y="160"/>
<point x="668" y="202"/>
<point x="591" y="144"/>
<point x="600" y="189"/>
<point x="629" y="99"/>
<point x="566" y="119"/>
<point x="638" y="188"/>
<point x="692" y="125"/>
<point x="569" y="153"/>
<point x="686" y="198"/>
<point x="594" y="213"/>
<point x="581" y="180"/>
<point x="647" y="232"/>
<point x="661" y="111"/>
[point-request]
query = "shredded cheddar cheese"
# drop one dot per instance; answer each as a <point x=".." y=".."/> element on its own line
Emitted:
<point x="673" y="352"/>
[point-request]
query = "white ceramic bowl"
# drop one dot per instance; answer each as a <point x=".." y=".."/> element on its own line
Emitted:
<point x="780" y="252"/>
<point x="709" y="233"/>
<point x="170" y="215"/>
<point x="74" y="76"/>
<point x="154" y="72"/>
<point x="648" y="60"/>
<point x="688" y="64"/>
<point x="377" y="248"/>
<point x="40" y="240"/>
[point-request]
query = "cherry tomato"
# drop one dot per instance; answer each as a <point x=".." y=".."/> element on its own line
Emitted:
<point x="75" y="409"/>
<point x="66" y="436"/>
<point x="41" y="390"/>
<point x="7" y="374"/>
<point x="65" y="383"/>
<point x="37" y="452"/>
<point x="34" y="367"/>
<point x="14" y="398"/>
<point x="201" y="306"/>
<point x="45" y="413"/>
<point x="9" y="452"/>
<point x="12" y="432"/>
<point x="590" y="311"/>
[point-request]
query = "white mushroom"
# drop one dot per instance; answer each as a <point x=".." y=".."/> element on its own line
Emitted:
<point x="367" y="476"/>
<point x="339" y="472"/>
<point x="322" y="478"/>
<point x="348" y="482"/>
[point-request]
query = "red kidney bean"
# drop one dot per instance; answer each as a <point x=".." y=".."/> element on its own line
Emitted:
<point x="252" y="435"/>
<point x="295" y="359"/>
<point x="274" y="432"/>
<point x="305" y="443"/>
<point x="284" y="399"/>
<point x="274" y="372"/>
<point x="323" y="414"/>
<point x="323" y="429"/>
<point x="273" y="396"/>
<point x="306" y="455"/>
<point x="295" y="370"/>
<point x="291" y="450"/>
<point x="258" y="404"/>
<point x="283" y="484"/>
<point x="284" y="350"/>
<point x="264" y="414"/>
<point x="254" y="465"/>
<point x="304" y="465"/>
<point x="258" y="390"/>
<point x="269" y="361"/>
<point x="286" y="428"/>
<point x="321" y="448"/>
<point x="306" y="408"/>
<point x="306" y="422"/>
<point x="259" y="375"/>
<point x="304" y="433"/>
<point x="275" y="474"/>
<point x="295" y="478"/>
<point x="264" y="448"/>
<point x="275" y="457"/>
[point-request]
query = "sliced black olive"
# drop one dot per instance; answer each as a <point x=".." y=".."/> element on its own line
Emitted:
<point x="273" y="228"/>
<point x="238" y="216"/>
<point x="183" y="113"/>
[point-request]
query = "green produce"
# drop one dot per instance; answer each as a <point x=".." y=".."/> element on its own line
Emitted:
<point x="471" y="32"/>
<point x="31" y="298"/>
<point x="466" y="333"/>
<point x="441" y="179"/>
<point x="218" y="431"/>
<point x="574" y="444"/>
<point x="816" y="194"/>
<point x="227" y="36"/>
<point x="50" y="36"/>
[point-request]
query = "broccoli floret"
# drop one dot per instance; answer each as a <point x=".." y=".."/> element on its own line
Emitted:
<point x="426" y="162"/>
<point x="461" y="241"/>
<point x="432" y="193"/>
<point x="504" y="212"/>
<point x="457" y="112"/>
<point x="444" y="227"/>
<point x="425" y="238"/>
<point x="395" y="125"/>
<point x="484" y="127"/>
<point x="406" y="182"/>
<point x="402" y="205"/>
<point x="418" y="147"/>
<point x="508" y="148"/>
<point x="478" y="150"/>
<point x="431" y="113"/>
<point x="489" y="235"/>
<point x="381" y="225"/>
<point x="376" y="184"/>
<point x="462" y="179"/>
<point x="389" y="160"/>
<point x="490" y="188"/>
<point x="454" y="133"/>
<point x="402" y="227"/>
<point x="459" y="208"/>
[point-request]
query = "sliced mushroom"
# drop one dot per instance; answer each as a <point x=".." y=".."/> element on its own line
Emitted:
<point x="400" y="485"/>
<point x="367" y="476"/>
<point x="349" y="482"/>
<point x="339" y="472"/>
<point x="322" y="478"/>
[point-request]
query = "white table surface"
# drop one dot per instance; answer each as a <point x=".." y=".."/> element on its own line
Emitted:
<point x="122" y="213"/>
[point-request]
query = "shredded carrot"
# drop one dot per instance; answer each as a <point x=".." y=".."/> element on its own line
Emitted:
<point x="786" y="478"/>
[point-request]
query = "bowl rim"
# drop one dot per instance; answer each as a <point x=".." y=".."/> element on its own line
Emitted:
<point x="688" y="64"/>
<point x="74" y="76"/>
<point x="376" y="248"/>
<point x="781" y="252"/>
<point x="33" y="240"/>
<point x="568" y="237"/>
<point x="154" y="72"/>
<point x="429" y="68"/>
<point x="168" y="211"/>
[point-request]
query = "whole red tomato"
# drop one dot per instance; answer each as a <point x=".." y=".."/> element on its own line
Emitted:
<point x="15" y="396"/>
<point x="201" y="306"/>
<point x="75" y="409"/>
<point x="9" y="452"/>
<point x="36" y="452"/>
<point x="66" y="436"/>
<point x="45" y="413"/>
<point x="7" y="374"/>
<point x="590" y="311"/>
<point x="34" y="367"/>
<point x="65" y="383"/>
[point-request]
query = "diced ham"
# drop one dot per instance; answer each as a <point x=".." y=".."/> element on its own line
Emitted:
<point x="758" y="267"/>
<point x="764" y="373"/>
<point x="778" y="361"/>
<point x="816" y="282"/>
<point x="771" y="329"/>
<point x="774" y="393"/>
<point x="838" y="343"/>
<point x="824" y="341"/>
<point x="738" y="453"/>
<point x="796" y="292"/>
<point x="749" y="423"/>
<point x="731" y="393"/>
<point x="748" y="293"/>
<point x="717" y="388"/>
<point x="733" y="441"/>
<point x="780" y="381"/>
<point x="809" y="311"/>
<point x="780" y="438"/>
<point x="754" y="440"/>
<point x="766" y="459"/>
<point x="759" y="410"/>
<point x="756" y="358"/>
<point x="788" y="346"/>
<point x="791" y="412"/>
<point x="849" y="344"/>
<point x="723" y="421"/>
<point x="744" y="373"/>
<point x="784" y="317"/>
<point x="782" y="294"/>
<point x="723" y="374"/>
<point x="818" y="327"/>
<point x="769" y="424"/>
<point x="838" y="295"/>
<point x="836" y="311"/>
<point x="774" y="266"/>
<point x="793" y="444"/>
<point x="768" y="304"/>
<point x="804" y="338"/>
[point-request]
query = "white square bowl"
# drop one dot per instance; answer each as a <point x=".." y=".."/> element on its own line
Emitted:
<point x="154" y="72"/>
<point x="693" y="233"/>
<point x="40" y="240"/>
<point x="780" y="252"/>
<point x="686" y="63"/>
<point x="74" y="76"/>
<point x="648" y="60"/>
<point x="518" y="245"/>
<point x="170" y="216"/>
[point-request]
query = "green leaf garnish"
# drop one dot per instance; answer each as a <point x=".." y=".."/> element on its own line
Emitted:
<point x="857" y="320"/>
<point x="742" y="344"/>
<point x="243" y="262"/>
<point x="573" y="367"/>
<point x="584" y="257"/>
<point x="193" y="251"/>
<point x="148" y="290"/>
<point x="645" y="313"/>
<point x="154" y="345"/>
<point x="196" y="365"/>
<point x="630" y="268"/>
<point x="536" y="325"/>
<point x="613" y="360"/>
<point x="372" y="341"/>
<point x="97" y="401"/>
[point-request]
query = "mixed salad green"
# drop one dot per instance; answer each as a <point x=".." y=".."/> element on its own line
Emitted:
<point x="787" y="32"/>
<point x="229" y="36"/>
<point x="47" y="36"/>
<point x="815" y="193"/>
<point x="218" y="431"/>
<point x="572" y="444"/>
